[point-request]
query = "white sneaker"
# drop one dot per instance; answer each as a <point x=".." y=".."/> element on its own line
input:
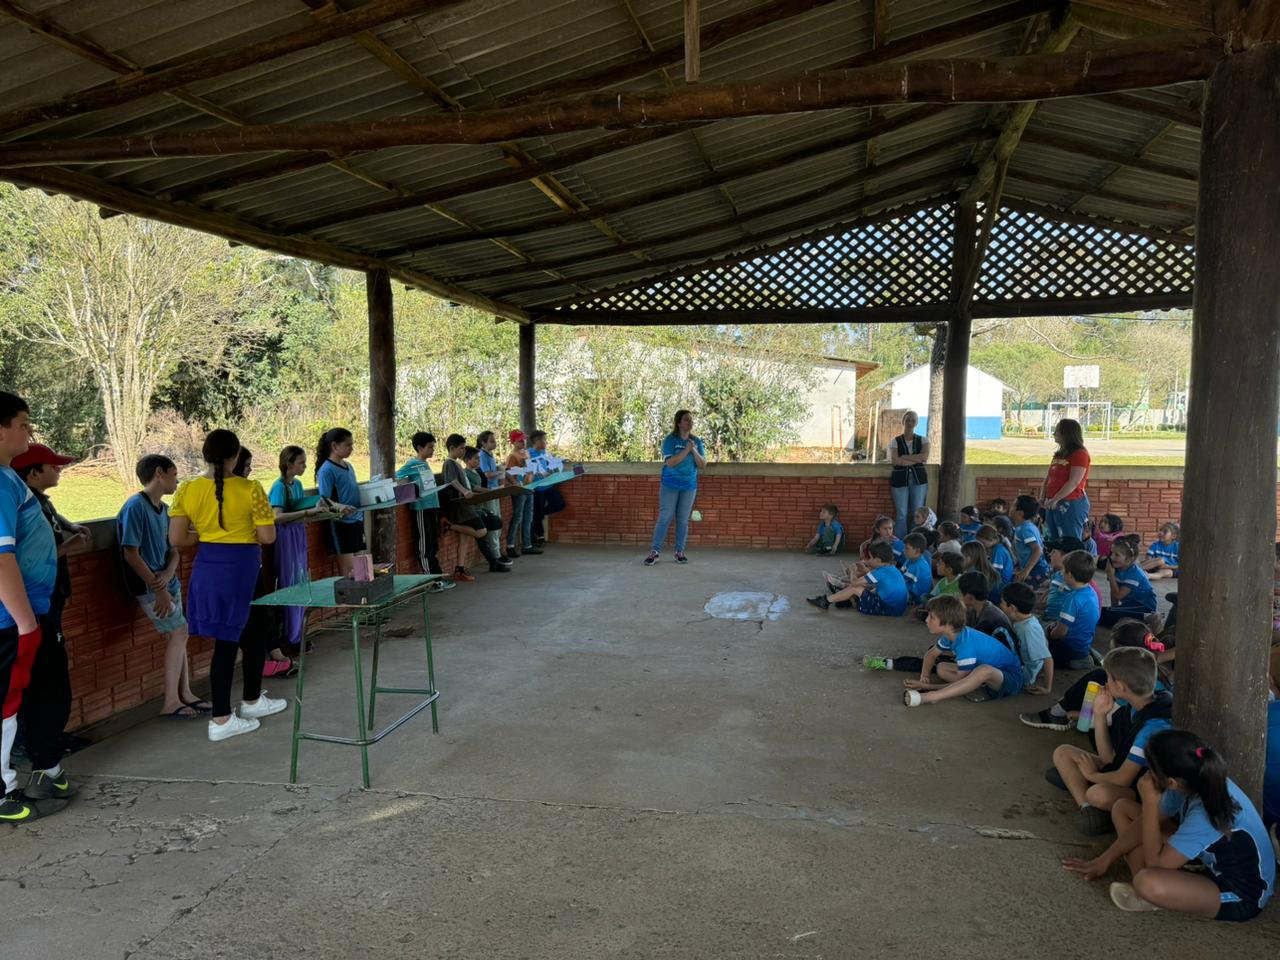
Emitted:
<point x="232" y="728"/>
<point x="1126" y="898"/>
<point x="264" y="706"/>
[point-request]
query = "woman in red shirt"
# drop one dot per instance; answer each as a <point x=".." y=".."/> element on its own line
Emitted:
<point x="1066" y="505"/>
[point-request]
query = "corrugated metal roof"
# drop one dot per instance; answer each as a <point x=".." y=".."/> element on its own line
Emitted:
<point x="483" y="52"/>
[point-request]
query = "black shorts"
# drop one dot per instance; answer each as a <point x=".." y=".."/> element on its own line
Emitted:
<point x="1235" y="907"/>
<point x="346" y="537"/>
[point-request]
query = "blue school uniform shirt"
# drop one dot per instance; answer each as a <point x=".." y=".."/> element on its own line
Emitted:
<point x="973" y="648"/>
<point x="1080" y="612"/>
<point x="1140" y="592"/>
<point x="410" y="470"/>
<point x="1271" y="776"/>
<point x="969" y="530"/>
<point x="282" y="497"/>
<point x="836" y="528"/>
<point x="489" y="465"/>
<point x="25" y="533"/>
<point x="919" y="578"/>
<point x="143" y="525"/>
<point x="684" y="475"/>
<point x="1168" y="552"/>
<point x="1138" y="749"/>
<point x="1025" y="536"/>
<point x="1033" y="647"/>
<point x="890" y="587"/>
<point x="1242" y="855"/>
<point x="339" y="484"/>
<point x="1002" y="561"/>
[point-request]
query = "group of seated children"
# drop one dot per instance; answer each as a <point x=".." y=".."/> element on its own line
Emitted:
<point x="1163" y="792"/>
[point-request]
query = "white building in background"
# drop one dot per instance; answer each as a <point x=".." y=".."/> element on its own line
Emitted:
<point x="983" y="401"/>
<point x="831" y="402"/>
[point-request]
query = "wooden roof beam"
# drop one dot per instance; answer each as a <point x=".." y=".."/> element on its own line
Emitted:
<point x="154" y="80"/>
<point x="714" y="178"/>
<point x="1124" y="66"/>
<point x="237" y="230"/>
<point x="1058" y="40"/>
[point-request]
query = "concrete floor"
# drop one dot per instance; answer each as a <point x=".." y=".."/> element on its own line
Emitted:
<point x="617" y="775"/>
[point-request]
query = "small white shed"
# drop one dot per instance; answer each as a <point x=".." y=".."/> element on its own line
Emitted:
<point x="984" y="401"/>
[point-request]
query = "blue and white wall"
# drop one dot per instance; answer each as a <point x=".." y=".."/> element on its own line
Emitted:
<point x="984" y="401"/>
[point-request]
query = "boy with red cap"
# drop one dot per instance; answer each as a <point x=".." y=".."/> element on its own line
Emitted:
<point x="520" y="527"/>
<point x="28" y="574"/>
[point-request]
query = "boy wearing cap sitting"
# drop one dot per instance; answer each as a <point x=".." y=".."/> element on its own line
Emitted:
<point x="520" y="527"/>
<point x="33" y="662"/>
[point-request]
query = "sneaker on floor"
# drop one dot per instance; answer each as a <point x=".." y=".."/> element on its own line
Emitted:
<point x="820" y="602"/>
<point x="1126" y="898"/>
<point x="41" y="786"/>
<point x="15" y="809"/>
<point x="532" y="550"/>
<point x="877" y="663"/>
<point x="463" y="575"/>
<point x="499" y="568"/>
<point x="651" y="559"/>
<point x="681" y="558"/>
<point x="232" y="728"/>
<point x="264" y="706"/>
<point x="274" y="668"/>
<point x="1045" y="720"/>
<point x="1093" y="822"/>
<point x="1053" y="777"/>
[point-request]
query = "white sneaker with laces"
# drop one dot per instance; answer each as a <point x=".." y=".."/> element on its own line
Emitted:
<point x="264" y="706"/>
<point x="1126" y="898"/>
<point x="232" y="728"/>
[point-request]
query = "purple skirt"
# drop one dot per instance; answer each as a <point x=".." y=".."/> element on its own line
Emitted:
<point x="291" y="567"/>
<point x="221" y="589"/>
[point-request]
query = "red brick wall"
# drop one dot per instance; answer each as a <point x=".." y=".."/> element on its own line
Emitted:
<point x="762" y="512"/>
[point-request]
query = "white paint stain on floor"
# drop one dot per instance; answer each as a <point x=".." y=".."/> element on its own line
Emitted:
<point x="744" y="605"/>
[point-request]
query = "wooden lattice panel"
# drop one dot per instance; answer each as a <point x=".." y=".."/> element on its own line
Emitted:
<point x="895" y="262"/>
<point x="1033" y="257"/>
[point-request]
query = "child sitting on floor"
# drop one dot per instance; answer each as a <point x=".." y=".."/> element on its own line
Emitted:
<point x="924" y="517"/>
<point x="1162" y="556"/>
<point x="947" y="568"/>
<point x="982" y="663"/>
<point x="1017" y="603"/>
<point x="977" y="561"/>
<point x="1097" y="780"/>
<point x="880" y="592"/>
<point x="983" y="615"/>
<point x="1127" y="633"/>
<point x="949" y="538"/>
<point x="998" y="555"/>
<point x="1108" y="529"/>
<point x="930" y="539"/>
<point x="998" y="507"/>
<point x="970" y="521"/>
<point x="1188" y="809"/>
<point x="1131" y="593"/>
<point x="881" y="532"/>
<point x="830" y="533"/>
<point x="1071" y="635"/>
<point x="915" y="568"/>
<point x="1027" y="542"/>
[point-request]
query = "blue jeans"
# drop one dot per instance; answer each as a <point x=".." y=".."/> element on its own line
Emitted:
<point x="906" y="501"/>
<point x="1067" y="518"/>
<point x="677" y="504"/>
<point x="520" y="526"/>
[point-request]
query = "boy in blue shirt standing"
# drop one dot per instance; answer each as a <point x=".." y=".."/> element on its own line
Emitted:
<point x="1071" y="638"/>
<point x="830" y="534"/>
<point x="1027" y="542"/>
<point x="916" y="569"/>
<point x="880" y="592"/>
<point x="981" y="662"/>
<point x="28" y="573"/>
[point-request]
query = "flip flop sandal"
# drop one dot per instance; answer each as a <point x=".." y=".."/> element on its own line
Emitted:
<point x="199" y="706"/>
<point x="178" y="714"/>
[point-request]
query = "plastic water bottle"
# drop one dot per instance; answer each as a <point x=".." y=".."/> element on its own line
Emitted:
<point x="1086" y="708"/>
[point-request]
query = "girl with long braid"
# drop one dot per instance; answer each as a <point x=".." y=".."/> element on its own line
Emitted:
<point x="229" y="517"/>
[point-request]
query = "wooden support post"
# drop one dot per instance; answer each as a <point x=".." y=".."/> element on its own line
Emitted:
<point x="382" y="403"/>
<point x="956" y="366"/>
<point x="528" y="362"/>
<point x="692" y="41"/>
<point x="1228" y="500"/>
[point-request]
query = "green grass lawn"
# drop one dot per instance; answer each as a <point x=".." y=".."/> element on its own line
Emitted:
<point x="980" y="455"/>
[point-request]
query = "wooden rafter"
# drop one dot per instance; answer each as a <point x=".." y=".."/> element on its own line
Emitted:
<point x="998" y="79"/>
<point x="692" y="41"/>
<point x="960" y="29"/>
<point x="896" y="203"/>
<point x="879" y="37"/>
<point x="714" y="178"/>
<point x="1118" y="168"/>
<point x="1058" y="40"/>
<point x="238" y="230"/>
<point x="1180" y="14"/>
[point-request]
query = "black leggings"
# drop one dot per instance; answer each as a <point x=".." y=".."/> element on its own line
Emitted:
<point x="1074" y="697"/>
<point x="46" y="704"/>
<point x="221" y="671"/>
<point x="486" y="522"/>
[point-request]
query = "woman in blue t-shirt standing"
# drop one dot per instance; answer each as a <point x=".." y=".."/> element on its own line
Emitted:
<point x="682" y="455"/>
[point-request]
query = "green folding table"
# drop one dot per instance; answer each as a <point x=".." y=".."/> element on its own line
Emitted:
<point x="318" y="594"/>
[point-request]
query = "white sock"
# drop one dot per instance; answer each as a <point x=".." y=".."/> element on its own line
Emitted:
<point x="8" y="730"/>
<point x="53" y="772"/>
<point x="1057" y="711"/>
